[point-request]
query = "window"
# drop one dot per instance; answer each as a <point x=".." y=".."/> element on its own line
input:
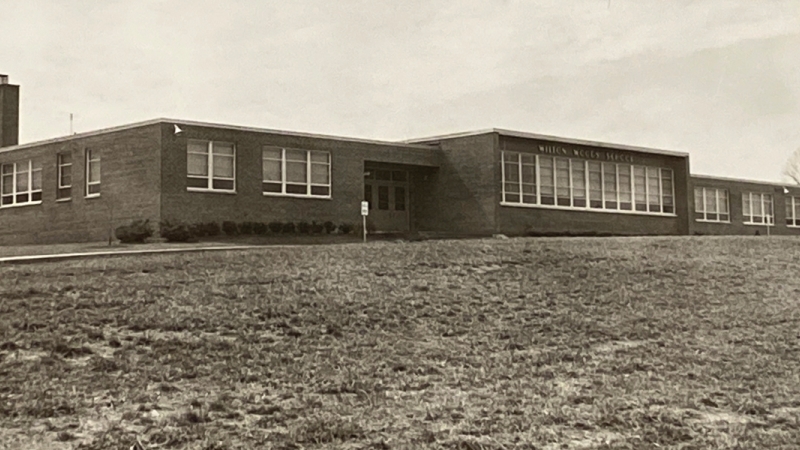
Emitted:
<point x="711" y="205"/>
<point x="92" y="173"/>
<point x="399" y="198"/>
<point x="300" y="173"/>
<point x="757" y="208"/>
<point x="21" y="183"/>
<point x="581" y="184"/>
<point x="383" y="197"/>
<point x="211" y="166"/>
<point x="793" y="211"/>
<point x="64" y="188"/>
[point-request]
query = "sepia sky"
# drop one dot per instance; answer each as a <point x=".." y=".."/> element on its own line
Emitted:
<point x="719" y="79"/>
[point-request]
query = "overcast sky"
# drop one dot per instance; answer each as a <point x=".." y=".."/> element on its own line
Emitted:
<point x="719" y="79"/>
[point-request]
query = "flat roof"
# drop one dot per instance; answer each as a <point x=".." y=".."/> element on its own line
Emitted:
<point x="210" y="125"/>
<point x="545" y="137"/>
<point x="744" y="180"/>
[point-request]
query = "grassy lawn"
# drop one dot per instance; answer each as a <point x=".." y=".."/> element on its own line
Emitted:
<point x="484" y="344"/>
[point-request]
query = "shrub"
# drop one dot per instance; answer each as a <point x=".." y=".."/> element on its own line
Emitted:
<point x="246" y="227"/>
<point x="230" y="228"/>
<point x="213" y="229"/>
<point x="317" y="228"/>
<point x="260" y="228"/>
<point x="303" y="227"/>
<point x="346" y="228"/>
<point x="330" y="227"/>
<point x="135" y="233"/>
<point x="177" y="232"/>
<point x="275" y="227"/>
<point x="288" y="227"/>
<point x="197" y="229"/>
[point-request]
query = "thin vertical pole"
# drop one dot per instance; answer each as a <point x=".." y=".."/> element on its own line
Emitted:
<point x="364" y="226"/>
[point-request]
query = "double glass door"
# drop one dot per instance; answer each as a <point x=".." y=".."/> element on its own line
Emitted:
<point x="386" y="191"/>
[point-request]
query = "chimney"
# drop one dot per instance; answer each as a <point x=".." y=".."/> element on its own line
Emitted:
<point x="9" y="113"/>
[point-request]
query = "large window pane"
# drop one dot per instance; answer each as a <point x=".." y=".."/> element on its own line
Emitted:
<point x="8" y="184"/>
<point x="546" y="177"/>
<point x="595" y="185"/>
<point x="197" y="164"/>
<point x="94" y="172"/>
<point x="197" y="147"/>
<point x="271" y="170"/>
<point x="36" y="183"/>
<point x="625" y="193"/>
<point x="319" y="174"/>
<point x="562" y="180"/>
<point x="711" y="200"/>
<point x="320" y="157"/>
<point x="222" y="148"/>
<point x="296" y="172"/>
<point x="653" y="189"/>
<point x="22" y="181"/>
<point x="610" y="185"/>
<point x="272" y="153"/>
<point x="722" y="205"/>
<point x="223" y="166"/>
<point x="640" y="188"/>
<point x="699" y="200"/>
<point x="296" y="155"/>
<point x="746" y="207"/>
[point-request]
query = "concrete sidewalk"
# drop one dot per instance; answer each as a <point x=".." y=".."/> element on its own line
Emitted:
<point x="77" y="255"/>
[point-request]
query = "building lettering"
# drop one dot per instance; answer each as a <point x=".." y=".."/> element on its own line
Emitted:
<point x="583" y="153"/>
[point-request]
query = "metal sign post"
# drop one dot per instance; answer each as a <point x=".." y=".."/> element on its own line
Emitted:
<point x="364" y="214"/>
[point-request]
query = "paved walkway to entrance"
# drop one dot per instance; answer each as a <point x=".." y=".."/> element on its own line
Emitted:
<point x="120" y="252"/>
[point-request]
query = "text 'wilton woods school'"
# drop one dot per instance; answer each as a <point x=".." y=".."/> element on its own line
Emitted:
<point x="77" y="188"/>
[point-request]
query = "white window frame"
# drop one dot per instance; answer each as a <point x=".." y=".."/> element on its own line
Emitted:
<point x="60" y="166"/>
<point x="30" y="191"/>
<point x="512" y="157"/>
<point x="703" y="207"/>
<point x="761" y="197"/>
<point x="793" y="204"/>
<point x="89" y="159"/>
<point x="210" y="145"/>
<point x="308" y="183"/>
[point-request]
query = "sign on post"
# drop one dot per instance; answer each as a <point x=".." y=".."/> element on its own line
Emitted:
<point x="364" y="214"/>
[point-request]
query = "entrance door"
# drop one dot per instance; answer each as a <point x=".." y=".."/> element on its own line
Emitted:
<point x="387" y="194"/>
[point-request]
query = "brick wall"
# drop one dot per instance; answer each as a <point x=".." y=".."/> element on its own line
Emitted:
<point x="514" y="220"/>
<point x="130" y="167"/>
<point x="460" y="196"/>
<point x="9" y="115"/>
<point x="735" y="189"/>
<point x="248" y="203"/>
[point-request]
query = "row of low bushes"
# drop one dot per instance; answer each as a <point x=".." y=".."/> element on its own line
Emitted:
<point x="140" y="230"/>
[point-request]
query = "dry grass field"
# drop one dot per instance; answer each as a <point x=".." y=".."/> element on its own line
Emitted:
<point x="484" y="344"/>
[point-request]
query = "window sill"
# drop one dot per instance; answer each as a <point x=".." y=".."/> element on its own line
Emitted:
<point x="792" y="226"/>
<point x="19" y="205"/>
<point x="92" y="196"/>
<point x="756" y="224"/>
<point x="211" y="191"/>
<point x="306" y="196"/>
<point x="713" y="221"/>
<point x="64" y="200"/>
<point x="593" y="210"/>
